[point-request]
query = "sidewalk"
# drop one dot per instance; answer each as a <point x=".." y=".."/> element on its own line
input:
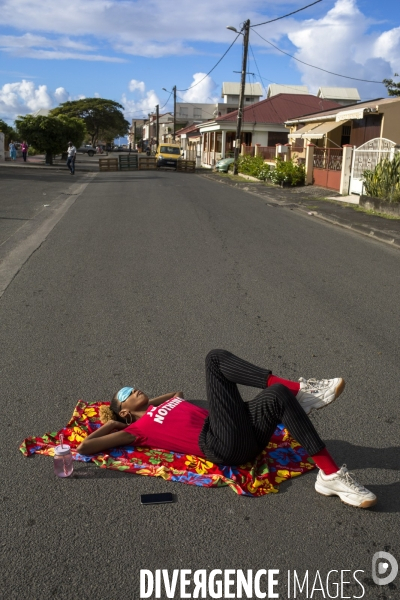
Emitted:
<point x="84" y="163"/>
<point x="322" y="204"/>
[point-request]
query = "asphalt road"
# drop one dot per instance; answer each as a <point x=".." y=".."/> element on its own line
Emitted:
<point x="139" y="279"/>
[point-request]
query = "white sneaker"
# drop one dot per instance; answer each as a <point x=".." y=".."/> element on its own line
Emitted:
<point x="343" y="485"/>
<point x="317" y="394"/>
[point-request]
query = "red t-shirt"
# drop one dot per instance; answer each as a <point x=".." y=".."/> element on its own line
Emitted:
<point x="175" y="425"/>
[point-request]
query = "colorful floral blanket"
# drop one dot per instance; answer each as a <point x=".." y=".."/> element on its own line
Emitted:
<point x="283" y="459"/>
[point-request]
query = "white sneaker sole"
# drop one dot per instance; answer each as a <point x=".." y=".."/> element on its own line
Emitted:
<point x="339" y="389"/>
<point x="325" y="491"/>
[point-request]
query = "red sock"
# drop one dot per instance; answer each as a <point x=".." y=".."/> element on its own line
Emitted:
<point x="324" y="461"/>
<point x="293" y="386"/>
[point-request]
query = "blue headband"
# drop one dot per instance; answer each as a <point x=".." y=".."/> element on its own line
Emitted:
<point x="124" y="393"/>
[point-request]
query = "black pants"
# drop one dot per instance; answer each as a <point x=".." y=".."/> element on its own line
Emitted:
<point x="235" y="431"/>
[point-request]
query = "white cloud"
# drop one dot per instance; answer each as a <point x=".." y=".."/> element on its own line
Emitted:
<point x="341" y="42"/>
<point x="202" y="90"/>
<point x="136" y="85"/>
<point x="61" y="95"/>
<point x="23" y="97"/>
<point x="142" y="102"/>
<point x="40" y="47"/>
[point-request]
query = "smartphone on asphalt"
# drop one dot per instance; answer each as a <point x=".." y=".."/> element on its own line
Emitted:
<point x="156" y="498"/>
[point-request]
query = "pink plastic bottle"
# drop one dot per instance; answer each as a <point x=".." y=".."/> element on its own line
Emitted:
<point x="63" y="463"/>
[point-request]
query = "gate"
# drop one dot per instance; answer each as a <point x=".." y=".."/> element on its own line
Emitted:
<point x="366" y="157"/>
<point x="327" y="167"/>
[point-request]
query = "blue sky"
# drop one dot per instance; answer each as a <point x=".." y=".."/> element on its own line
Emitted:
<point x="128" y="50"/>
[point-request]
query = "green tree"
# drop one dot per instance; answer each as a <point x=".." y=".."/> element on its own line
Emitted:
<point x="101" y="116"/>
<point x="9" y="133"/>
<point x="392" y="87"/>
<point x="51" y="134"/>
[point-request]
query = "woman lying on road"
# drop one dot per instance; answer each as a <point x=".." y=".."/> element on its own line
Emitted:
<point x="231" y="432"/>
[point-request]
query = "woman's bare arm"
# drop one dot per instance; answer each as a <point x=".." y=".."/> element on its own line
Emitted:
<point x="110" y="435"/>
<point x="160" y="399"/>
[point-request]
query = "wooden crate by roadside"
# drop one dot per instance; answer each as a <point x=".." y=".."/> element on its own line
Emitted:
<point x="108" y="164"/>
<point x="128" y="162"/>
<point x="186" y="166"/>
<point x="147" y="163"/>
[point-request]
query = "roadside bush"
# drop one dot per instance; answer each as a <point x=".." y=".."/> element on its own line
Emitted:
<point x="254" y="166"/>
<point x="384" y="181"/>
<point x="287" y="172"/>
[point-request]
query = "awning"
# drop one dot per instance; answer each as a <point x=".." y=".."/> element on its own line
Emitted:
<point x="316" y="132"/>
<point x="347" y="115"/>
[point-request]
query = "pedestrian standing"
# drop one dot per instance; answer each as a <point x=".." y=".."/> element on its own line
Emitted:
<point x="71" y="157"/>
<point x="13" y="150"/>
<point x="24" y="148"/>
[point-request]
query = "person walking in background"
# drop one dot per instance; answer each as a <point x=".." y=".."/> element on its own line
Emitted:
<point x="13" y="150"/>
<point x="71" y="157"/>
<point x="24" y="148"/>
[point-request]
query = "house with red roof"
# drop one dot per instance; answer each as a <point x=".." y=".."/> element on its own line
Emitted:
<point x="263" y="123"/>
<point x="190" y="140"/>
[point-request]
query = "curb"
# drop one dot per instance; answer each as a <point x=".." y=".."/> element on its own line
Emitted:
<point x="369" y="232"/>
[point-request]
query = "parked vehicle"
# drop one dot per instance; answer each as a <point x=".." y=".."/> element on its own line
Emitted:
<point x="89" y="150"/>
<point x="167" y="155"/>
<point x="224" y="164"/>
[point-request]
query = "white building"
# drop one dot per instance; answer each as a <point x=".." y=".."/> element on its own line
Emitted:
<point x="230" y="93"/>
<point x="279" y="88"/>
<point x="344" y="96"/>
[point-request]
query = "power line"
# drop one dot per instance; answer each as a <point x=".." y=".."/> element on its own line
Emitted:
<point x="170" y="94"/>
<point x="288" y="15"/>
<point x="225" y="53"/>
<point x="313" y="66"/>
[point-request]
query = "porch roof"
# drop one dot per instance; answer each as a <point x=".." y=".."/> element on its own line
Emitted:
<point x="316" y="132"/>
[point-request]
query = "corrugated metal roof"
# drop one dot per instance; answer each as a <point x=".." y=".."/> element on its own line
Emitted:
<point x="279" y="88"/>
<point x="338" y="93"/>
<point x="369" y="104"/>
<point x="233" y="89"/>
<point x="280" y="108"/>
<point x="188" y="129"/>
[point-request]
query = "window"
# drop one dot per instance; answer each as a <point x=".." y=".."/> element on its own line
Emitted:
<point x="183" y="111"/>
<point x="277" y="137"/>
<point x="346" y="131"/>
<point x="169" y="150"/>
<point x="197" y="113"/>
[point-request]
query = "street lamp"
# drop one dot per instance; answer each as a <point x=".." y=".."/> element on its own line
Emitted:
<point x="246" y="30"/>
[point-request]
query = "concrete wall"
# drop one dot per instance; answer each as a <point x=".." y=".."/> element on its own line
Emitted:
<point x="379" y="205"/>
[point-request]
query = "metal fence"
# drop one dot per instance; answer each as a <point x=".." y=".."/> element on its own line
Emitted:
<point x="267" y="152"/>
<point x="328" y="158"/>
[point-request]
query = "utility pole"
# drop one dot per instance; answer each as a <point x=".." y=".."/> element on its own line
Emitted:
<point x="173" y="133"/>
<point x="157" y="123"/>
<point x="245" y="31"/>
<point x="134" y="135"/>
